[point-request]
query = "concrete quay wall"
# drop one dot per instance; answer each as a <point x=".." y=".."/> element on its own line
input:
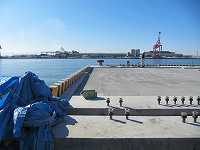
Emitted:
<point x="58" y="88"/>
<point x="128" y="144"/>
<point x="132" y="112"/>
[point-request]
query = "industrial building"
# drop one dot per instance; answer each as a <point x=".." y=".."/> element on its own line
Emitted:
<point x="163" y="54"/>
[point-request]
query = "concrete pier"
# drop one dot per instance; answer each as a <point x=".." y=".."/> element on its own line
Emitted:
<point x="144" y="81"/>
<point x="150" y="125"/>
<point x="152" y="133"/>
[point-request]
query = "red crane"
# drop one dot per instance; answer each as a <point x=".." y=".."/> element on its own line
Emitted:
<point x="157" y="48"/>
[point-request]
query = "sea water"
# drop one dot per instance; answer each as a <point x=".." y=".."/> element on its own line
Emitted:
<point x="52" y="70"/>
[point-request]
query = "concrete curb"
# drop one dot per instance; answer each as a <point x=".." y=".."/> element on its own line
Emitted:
<point x="133" y="112"/>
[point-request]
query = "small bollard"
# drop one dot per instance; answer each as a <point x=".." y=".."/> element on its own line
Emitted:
<point x="100" y="62"/>
<point x="175" y="100"/>
<point x="127" y="113"/>
<point x="183" y="100"/>
<point x="120" y="102"/>
<point x="195" y="115"/>
<point x="159" y="100"/>
<point x="110" y="112"/>
<point x="198" y="100"/>
<point x="191" y="100"/>
<point x="167" y="99"/>
<point x="184" y="116"/>
<point x="108" y="101"/>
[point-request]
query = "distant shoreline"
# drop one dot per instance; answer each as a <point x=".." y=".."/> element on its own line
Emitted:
<point x="107" y="58"/>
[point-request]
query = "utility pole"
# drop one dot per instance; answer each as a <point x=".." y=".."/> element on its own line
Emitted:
<point x="0" y="50"/>
<point x="142" y="60"/>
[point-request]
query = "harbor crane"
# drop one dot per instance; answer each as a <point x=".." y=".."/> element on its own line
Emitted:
<point x="157" y="47"/>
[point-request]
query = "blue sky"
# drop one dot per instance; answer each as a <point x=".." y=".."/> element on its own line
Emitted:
<point x="31" y="26"/>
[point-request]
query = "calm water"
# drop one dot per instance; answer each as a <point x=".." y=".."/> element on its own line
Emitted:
<point x="52" y="70"/>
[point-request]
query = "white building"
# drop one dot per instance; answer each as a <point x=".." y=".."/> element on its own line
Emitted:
<point x="135" y="52"/>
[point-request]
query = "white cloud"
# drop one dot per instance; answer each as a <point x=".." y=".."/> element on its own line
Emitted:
<point x="48" y="35"/>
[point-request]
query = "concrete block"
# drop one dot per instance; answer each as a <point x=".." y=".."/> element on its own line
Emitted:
<point x="54" y="90"/>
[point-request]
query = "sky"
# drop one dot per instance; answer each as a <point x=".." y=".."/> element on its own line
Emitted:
<point x="32" y="26"/>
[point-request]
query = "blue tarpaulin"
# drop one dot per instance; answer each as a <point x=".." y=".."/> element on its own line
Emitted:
<point x="8" y="89"/>
<point x="27" y="111"/>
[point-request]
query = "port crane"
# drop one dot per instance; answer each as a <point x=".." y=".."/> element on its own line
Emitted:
<point x="157" y="47"/>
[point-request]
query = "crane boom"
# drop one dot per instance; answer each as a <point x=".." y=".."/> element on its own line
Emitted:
<point x="157" y="47"/>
